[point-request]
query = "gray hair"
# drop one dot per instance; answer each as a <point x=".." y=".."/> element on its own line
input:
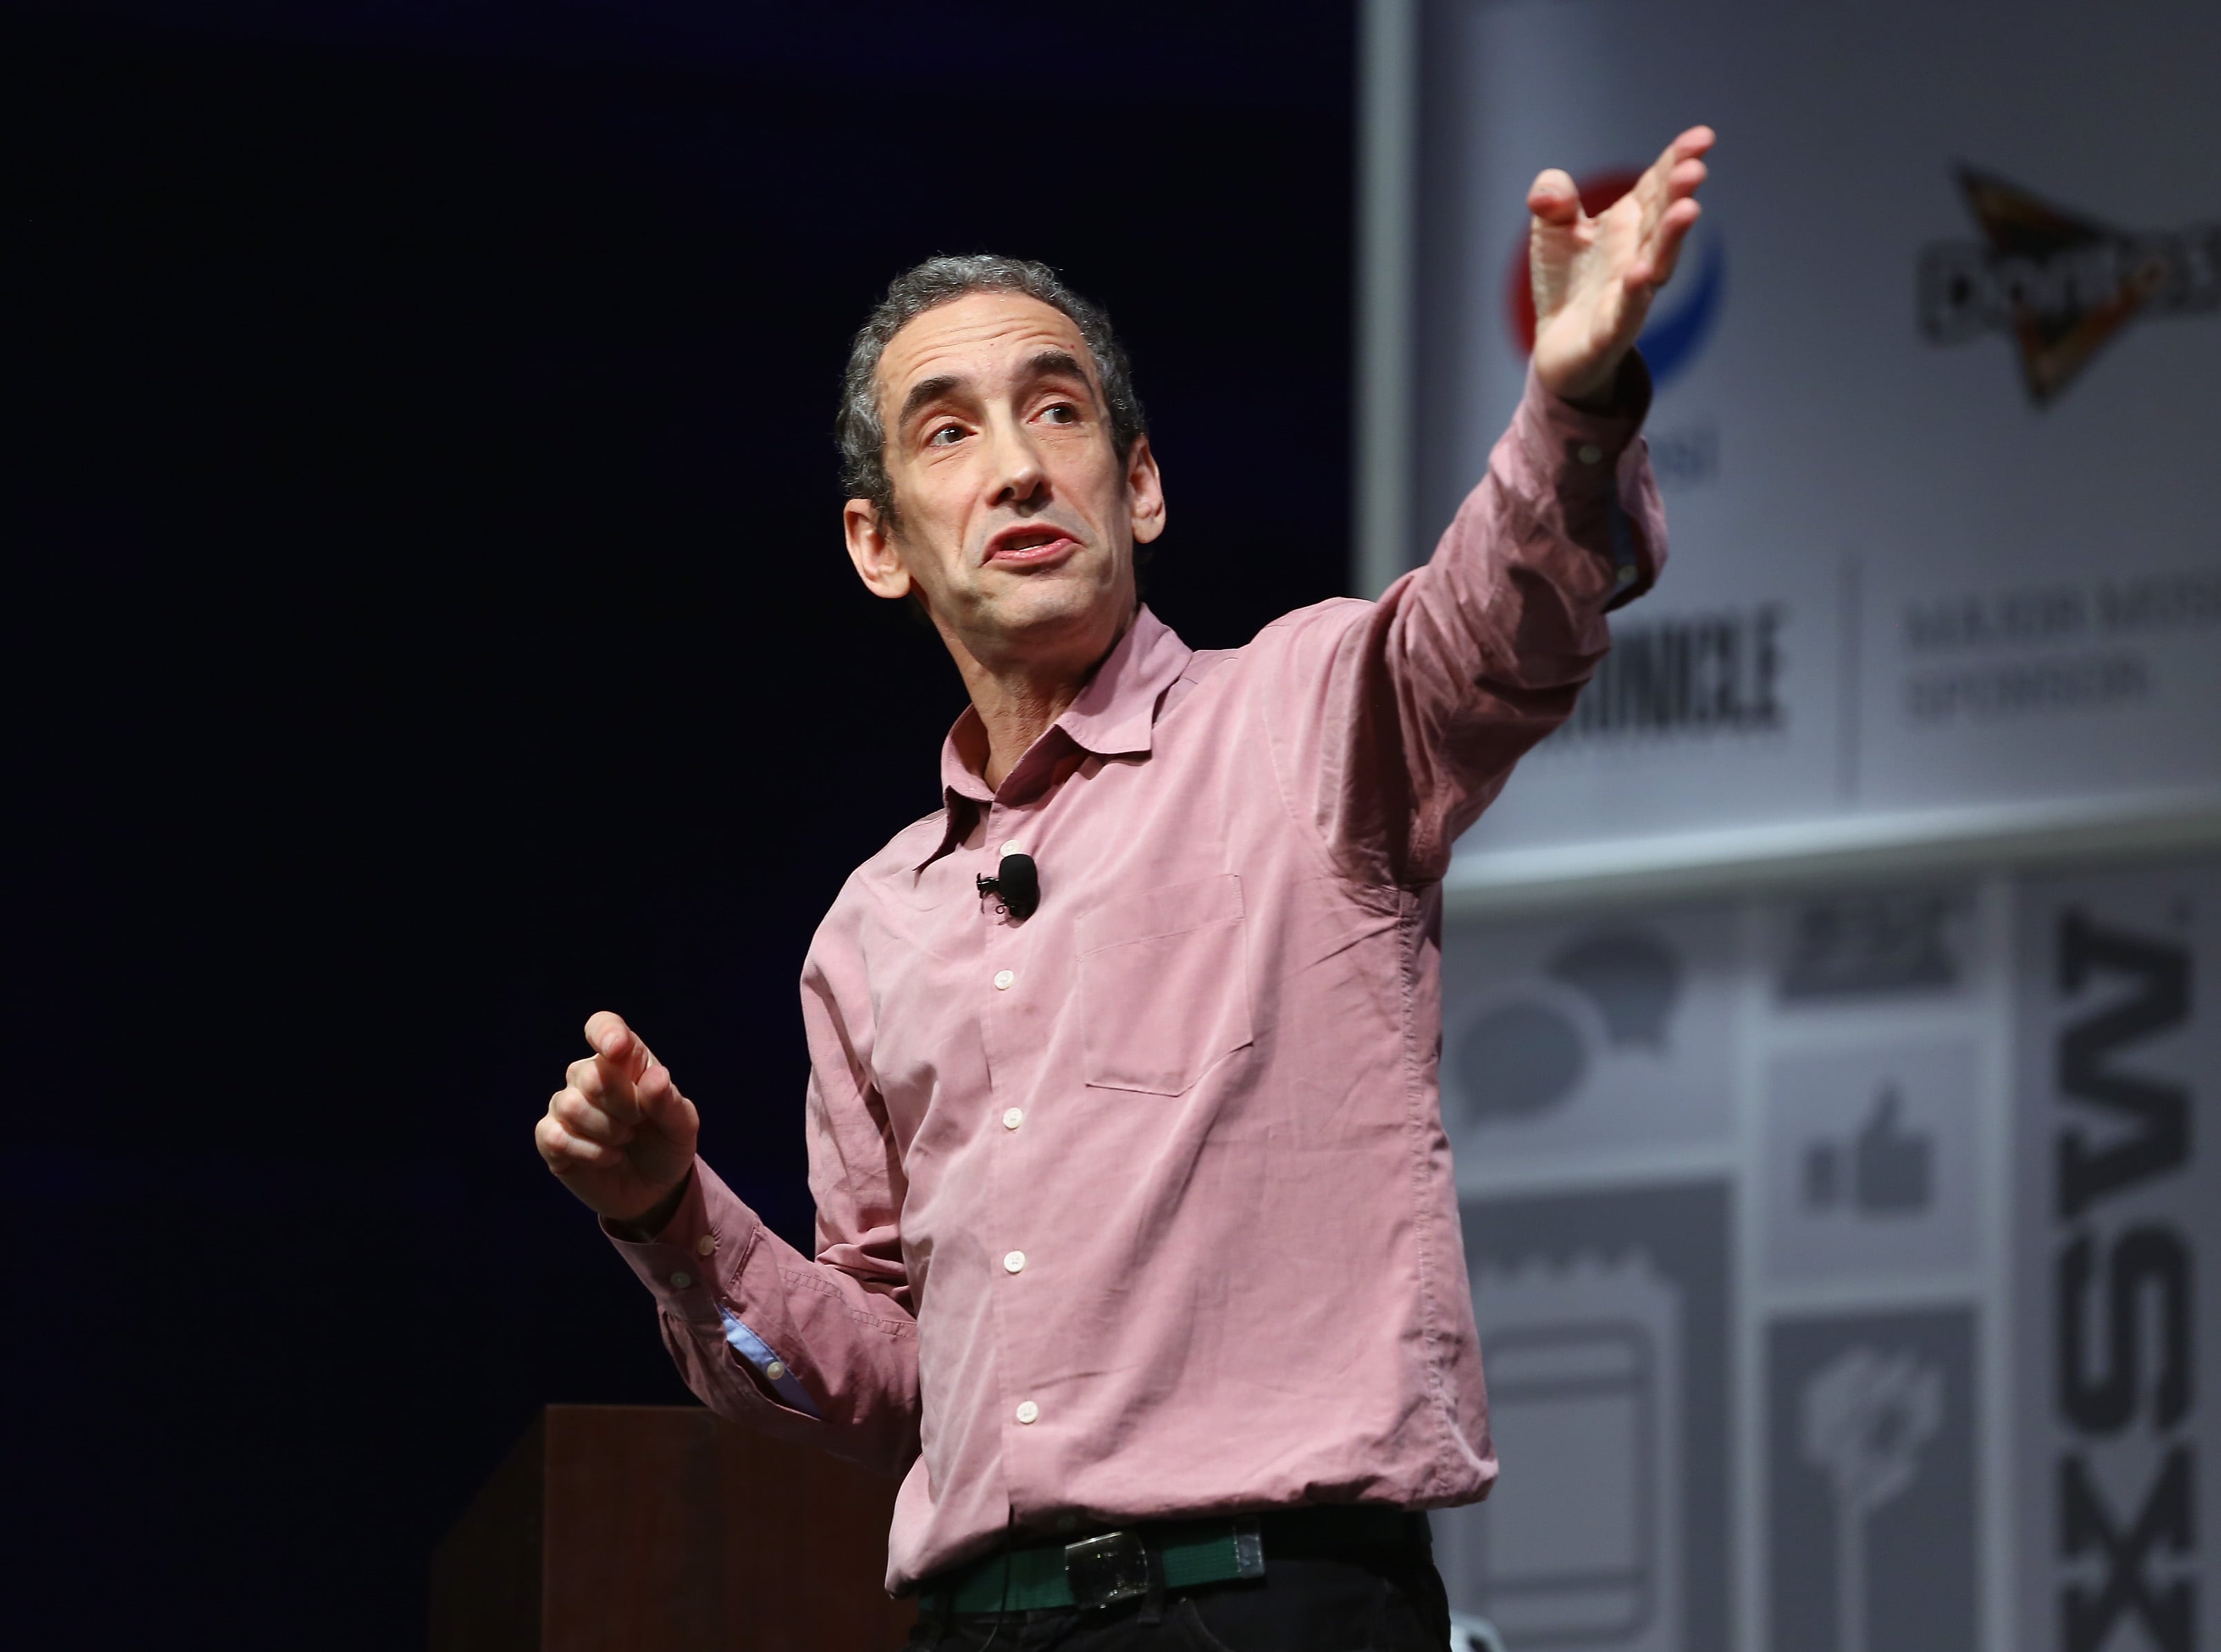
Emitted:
<point x="860" y="430"/>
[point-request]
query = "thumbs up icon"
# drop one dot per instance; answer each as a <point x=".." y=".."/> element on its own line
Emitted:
<point x="1892" y="1168"/>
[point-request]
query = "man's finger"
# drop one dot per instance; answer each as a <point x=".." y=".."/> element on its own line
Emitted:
<point x="601" y="1082"/>
<point x="618" y="1044"/>
<point x="1654" y="266"/>
<point x="564" y="1151"/>
<point x="1676" y="172"/>
<point x="1552" y="198"/>
<point x="581" y="1117"/>
<point x="1689" y="145"/>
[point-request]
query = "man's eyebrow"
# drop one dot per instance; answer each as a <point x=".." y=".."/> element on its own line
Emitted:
<point x="927" y="391"/>
<point x="1053" y="364"/>
<point x="1046" y="364"/>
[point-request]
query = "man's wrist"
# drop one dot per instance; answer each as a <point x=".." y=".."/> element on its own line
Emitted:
<point x="1623" y="390"/>
<point x="643" y="1228"/>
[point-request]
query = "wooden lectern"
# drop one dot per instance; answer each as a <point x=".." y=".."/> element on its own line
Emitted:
<point x="663" y="1529"/>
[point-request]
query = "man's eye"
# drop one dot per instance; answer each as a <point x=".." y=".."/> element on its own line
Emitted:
<point x="946" y="436"/>
<point x="1061" y="413"/>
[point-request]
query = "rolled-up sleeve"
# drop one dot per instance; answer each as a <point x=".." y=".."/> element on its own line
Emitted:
<point x="819" y="1348"/>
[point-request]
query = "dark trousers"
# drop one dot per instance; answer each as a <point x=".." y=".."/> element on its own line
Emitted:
<point x="1391" y="1603"/>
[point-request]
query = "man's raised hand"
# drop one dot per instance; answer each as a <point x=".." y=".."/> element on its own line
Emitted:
<point x="1593" y="278"/>
<point x="618" y="1132"/>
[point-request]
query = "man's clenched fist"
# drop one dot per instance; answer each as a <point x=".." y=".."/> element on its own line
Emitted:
<point x="618" y="1132"/>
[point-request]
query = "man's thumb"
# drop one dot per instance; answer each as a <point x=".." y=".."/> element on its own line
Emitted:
<point x="1552" y="198"/>
<point x="662" y="1106"/>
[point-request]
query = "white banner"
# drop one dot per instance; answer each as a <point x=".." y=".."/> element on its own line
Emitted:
<point x="1937" y="395"/>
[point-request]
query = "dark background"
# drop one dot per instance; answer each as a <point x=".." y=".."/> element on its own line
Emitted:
<point x="426" y="623"/>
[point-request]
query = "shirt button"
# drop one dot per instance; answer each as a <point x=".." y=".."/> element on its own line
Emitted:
<point x="1028" y="1412"/>
<point x="774" y="1370"/>
<point x="1012" y="847"/>
<point x="1013" y="1117"/>
<point x="1590" y="453"/>
<point x="704" y="1245"/>
<point x="681" y="1279"/>
<point x="1003" y="979"/>
<point x="1015" y="1262"/>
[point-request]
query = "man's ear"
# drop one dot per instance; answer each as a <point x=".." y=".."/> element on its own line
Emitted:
<point x="871" y="548"/>
<point x="1145" y="493"/>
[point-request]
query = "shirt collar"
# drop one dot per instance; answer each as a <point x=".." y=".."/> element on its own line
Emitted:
<point x="1115" y="716"/>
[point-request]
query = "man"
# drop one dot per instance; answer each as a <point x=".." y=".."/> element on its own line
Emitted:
<point x="1137" y="1242"/>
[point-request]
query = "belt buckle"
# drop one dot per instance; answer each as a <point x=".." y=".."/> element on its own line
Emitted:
<point x="1248" y="1547"/>
<point x="1105" y="1570"/>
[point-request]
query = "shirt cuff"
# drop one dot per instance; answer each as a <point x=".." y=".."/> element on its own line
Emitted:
<point x="1557" y="433"/>
<point x="696" y="1257"/>
<point x="1588" y="474"/>
<point x="764" y="1360"/>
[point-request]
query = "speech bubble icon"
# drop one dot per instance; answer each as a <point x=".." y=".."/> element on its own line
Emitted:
<point x="1633" y="979"/>
<point x="1519" y="1058"/>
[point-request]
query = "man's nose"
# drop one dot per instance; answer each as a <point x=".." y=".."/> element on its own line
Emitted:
<point x="1018" y="472"/>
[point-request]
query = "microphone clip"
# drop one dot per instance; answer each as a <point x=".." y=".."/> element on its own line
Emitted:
<point x="1016" y="885"/>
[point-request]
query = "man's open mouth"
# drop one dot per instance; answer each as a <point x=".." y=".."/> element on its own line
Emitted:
<point x="1025" y="546"/>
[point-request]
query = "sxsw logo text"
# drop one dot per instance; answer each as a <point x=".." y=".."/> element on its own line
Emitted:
<point x="2125" y="1481"/>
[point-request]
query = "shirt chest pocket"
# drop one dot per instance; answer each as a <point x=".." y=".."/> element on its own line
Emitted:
<point x="1164" y="985"/>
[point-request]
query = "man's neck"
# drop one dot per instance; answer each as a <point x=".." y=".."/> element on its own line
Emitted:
<point x="1018" y="699"/>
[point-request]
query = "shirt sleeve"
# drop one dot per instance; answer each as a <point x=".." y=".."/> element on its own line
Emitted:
<point x="1411" y="711"/>
<point x="821" y="1349"/>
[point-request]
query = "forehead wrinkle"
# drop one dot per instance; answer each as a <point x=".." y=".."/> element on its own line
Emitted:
<point x="1050" y="330"/>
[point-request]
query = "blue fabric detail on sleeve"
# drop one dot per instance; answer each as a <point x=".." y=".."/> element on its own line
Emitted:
<point x="757" y="1352"/>
<point x="1626" y="567"/>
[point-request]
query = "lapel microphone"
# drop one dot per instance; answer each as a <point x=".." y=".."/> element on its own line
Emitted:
<point x="1017" y="882"/>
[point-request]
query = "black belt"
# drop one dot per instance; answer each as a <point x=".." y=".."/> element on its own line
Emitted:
<point x="1117" y="1566"/>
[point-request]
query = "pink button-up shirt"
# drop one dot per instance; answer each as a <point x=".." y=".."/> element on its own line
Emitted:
<point x="1142" y="1206"/>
